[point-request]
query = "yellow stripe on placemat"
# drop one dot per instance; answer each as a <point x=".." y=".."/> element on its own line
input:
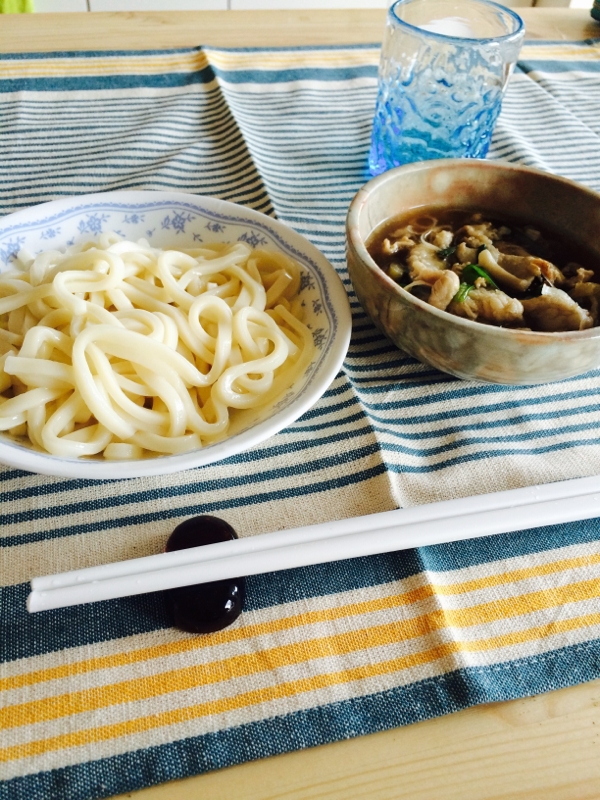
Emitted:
<point x="213" y="707"/>
<point x="290" y="59"/>
<point x="152" y="64"/>
<point x="560" y="52"/>
<point x="307" y="618"/>
<point x="240" y="666"/>
<point x="109" y="65"/>
<point x="159" y="63"/>
<point x="281" y="690"/>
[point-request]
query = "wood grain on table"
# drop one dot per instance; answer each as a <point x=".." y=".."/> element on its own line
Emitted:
<point x="151" y="30"/>
<point x="538" y="748"/>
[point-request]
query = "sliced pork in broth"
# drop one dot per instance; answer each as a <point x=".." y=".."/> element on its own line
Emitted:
<point x="500" y="273"/>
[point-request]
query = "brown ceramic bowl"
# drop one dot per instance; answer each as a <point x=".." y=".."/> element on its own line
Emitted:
<point x="467" y="349"/>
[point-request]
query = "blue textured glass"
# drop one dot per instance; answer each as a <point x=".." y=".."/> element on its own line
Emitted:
<point x="440" y="96"/>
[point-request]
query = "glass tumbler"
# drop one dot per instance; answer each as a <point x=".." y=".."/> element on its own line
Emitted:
<point x="444" y="68"/>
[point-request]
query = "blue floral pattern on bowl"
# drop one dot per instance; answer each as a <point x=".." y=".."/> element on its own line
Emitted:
<point x="168" y="219"/>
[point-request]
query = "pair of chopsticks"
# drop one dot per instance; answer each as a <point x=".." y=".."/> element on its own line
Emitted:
<point x="435" y="523"/>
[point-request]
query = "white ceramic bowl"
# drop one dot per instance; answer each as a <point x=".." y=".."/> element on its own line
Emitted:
<point x="174" y="219"/>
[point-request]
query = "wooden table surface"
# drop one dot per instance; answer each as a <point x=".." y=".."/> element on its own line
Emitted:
<point x="151" y="30"/>
<point x="545" y="747"/>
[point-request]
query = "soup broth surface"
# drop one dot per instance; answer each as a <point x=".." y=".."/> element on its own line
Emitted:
<point x="502" y="272"/>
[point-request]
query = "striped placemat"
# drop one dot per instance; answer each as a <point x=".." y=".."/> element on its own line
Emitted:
<point x="101" y="699"/>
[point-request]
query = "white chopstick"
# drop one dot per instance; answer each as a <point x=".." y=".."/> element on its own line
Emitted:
<point x="435" y="523"/>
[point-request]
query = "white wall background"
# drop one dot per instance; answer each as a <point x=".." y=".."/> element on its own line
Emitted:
<point x="51" y="6"/>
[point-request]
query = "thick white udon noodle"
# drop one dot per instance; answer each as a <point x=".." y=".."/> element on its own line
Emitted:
<point x="117" y="348"/>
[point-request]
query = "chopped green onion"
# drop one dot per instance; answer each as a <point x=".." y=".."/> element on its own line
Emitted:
<point x="463" y="291"/>
<point x="468" y="276"/>
<point x="446" y="251"/>
<point x="473" y="271"/>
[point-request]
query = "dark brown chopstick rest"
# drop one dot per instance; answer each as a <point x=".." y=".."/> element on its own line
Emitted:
<point x="204" y="607"/>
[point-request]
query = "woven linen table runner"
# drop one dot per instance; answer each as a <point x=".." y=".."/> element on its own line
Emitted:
<point x="103" y="698"/>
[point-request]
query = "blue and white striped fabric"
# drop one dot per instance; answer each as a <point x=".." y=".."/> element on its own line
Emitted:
<point x="107" y="698"/>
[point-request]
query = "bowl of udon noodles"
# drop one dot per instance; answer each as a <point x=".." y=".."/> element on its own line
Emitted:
<point x="485" y="270"/>
<point x="142" y="333"/>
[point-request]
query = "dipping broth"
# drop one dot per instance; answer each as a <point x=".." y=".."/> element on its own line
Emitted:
<point x="499" y="272"/>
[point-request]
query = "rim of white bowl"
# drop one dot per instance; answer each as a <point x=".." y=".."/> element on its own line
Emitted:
<point x="361" y="198"/>
<point x="21" y="457"/>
